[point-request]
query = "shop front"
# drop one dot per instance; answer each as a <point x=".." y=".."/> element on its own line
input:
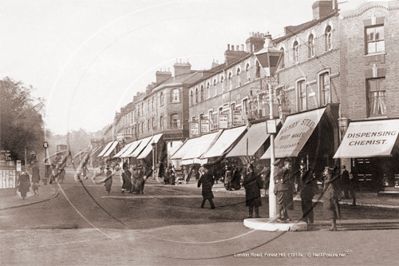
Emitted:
<point x="310" y="136"/>
<point x="372" y="147"/>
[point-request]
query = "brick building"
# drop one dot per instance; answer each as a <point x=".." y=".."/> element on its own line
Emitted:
<point x="369" y="73"/>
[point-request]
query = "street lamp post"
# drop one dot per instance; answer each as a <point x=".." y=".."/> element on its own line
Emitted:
<point x="269" y="58"/>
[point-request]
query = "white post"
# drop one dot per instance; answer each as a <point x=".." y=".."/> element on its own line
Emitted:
<point x="272" y="197"/>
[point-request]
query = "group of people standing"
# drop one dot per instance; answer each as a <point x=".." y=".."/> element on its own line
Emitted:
<point x="133" y="180"/>
<point x="27" y="179"/>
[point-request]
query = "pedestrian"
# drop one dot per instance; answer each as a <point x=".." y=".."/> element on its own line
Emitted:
<point x="47" y="171"/>
<point x="265" y="178"/>
<point x="252" y="185"/>
<point x="23" y="183"/>
<point x="227" y="178"/>
<point x="108" y="179"/>
<point x="126" y="179"/>
<point x="140" y="180"/>
<point x="331" y="209"/>
<point x="185" y="174"/>
<point x="306" y="186"/>
<point x="348" y="186"/>
<point x="207" y="181"/>
<point x="35" y="178"/>
<point x="235" y="178"/>
<point x="282" y="188"/>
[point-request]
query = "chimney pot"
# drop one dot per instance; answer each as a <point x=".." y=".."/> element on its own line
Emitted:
<point x="232" y="47"/>
<point x="228" y="47"/>
<point x="238" y="48"/>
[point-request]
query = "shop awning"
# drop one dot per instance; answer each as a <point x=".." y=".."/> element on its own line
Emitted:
<point x="294" y="134"/>
<point x="149" y="147"/>
<point x="105" y="149"/>
<point x="369" y="139"/>
<point x="122" y="150"/>
<point x="226" y="139"/>
<point x="199" y="146"/>
<point x="111" y="149"/>
<point x="255" y="137"/>
<point x="95" y="150"/>
<point x="140" y="148"/>
<point x="131" y="148"/>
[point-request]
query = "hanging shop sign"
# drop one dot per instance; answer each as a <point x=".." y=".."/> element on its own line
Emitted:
<point x="237" y="118"/>
<point x="204" y="125"/>
<point x="194" y="129"/>
<point x="223" y="121"/>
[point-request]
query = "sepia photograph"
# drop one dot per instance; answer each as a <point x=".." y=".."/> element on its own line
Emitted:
<point x="199" y="132"/>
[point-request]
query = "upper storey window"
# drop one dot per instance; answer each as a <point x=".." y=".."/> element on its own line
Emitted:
<point x="376" y="96"/>
<point x="257" y="75"/>
<point x="238" y="77"/>
<point x="375" y="39"/>
<point x="208" y="90"/>
<point x="191" y="98"/>
<point x="247" y="68"/>
<point x="161" y="99"/>
<point x="196" y="100"/>
<point x="311" y="51"/>
<point x="328" y="38"/>
<point x="202" y="93"/>
<point x="282" y="64"/>
<point x="175" y="95"/>
<point x="296" y="51"/>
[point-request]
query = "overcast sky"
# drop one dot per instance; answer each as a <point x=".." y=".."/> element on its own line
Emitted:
<point x="88" y="58"/>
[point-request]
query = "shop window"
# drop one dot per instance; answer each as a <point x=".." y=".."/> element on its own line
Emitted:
<point x="175" y="121"/>
<point x="325" y="88"/>
<point x="282" y="64"/>
<point x="328" y="38"/>
<point x="161" y="99"/>
<point x="247" y="69"/>
<point x="376" y="96"/>
<point x="311" y="51"/>
<point x="375" y="39"/>
<point x="296" y="51"/>
<point x="175" y="95"/>
<point x="301" y="88"/>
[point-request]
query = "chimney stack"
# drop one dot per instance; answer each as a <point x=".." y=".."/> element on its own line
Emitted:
<point x="322" y="8"/>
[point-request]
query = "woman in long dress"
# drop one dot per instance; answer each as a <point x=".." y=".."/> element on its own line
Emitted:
<point x="126" y="179"/>
<point x="24" y="183"/>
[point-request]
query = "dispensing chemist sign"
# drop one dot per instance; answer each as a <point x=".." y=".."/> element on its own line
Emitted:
<point x="295" y="133"/>
<point x="369" y="139"/>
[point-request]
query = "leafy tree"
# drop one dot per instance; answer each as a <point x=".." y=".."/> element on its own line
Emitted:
<point x="22" y="126"/>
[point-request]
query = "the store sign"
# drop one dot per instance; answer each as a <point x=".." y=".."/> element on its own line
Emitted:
<point x="194" y="129"/>
<point x="237" y="118"/>
<point x="295" y="133"/>
<point x="204" y="125"/>
<point x="369" y="139"/>
<point x="223" y="121"/>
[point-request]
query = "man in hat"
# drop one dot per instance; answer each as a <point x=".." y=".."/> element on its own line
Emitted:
<point x="282" y="187"/>
<point x="207" y="181"/>
<point x="306" y="187"/>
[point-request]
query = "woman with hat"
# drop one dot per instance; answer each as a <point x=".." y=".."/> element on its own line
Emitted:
<point x="126" y="179"/>
<point x="108" y="179"/>
<point x="23" y="183"/>
<point x="330" y="197"/>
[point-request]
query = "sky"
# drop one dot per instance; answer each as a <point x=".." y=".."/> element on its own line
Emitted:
<point x="88" y="58"/>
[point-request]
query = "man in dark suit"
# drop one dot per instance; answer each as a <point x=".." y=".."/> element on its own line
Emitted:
<point x="282" y="187"/>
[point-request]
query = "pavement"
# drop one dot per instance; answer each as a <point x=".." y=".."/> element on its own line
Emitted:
<point x="46" y="193"/>
<point x="49" y="191"/>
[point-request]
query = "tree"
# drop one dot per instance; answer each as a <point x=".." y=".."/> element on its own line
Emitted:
<point x="22" y="126"/>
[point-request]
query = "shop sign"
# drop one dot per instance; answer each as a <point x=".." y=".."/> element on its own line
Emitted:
<point x="237" y="118"/>
<point x="204" y="125"/>
<point x="223" y="121"/>
<point x="194" y="129"/>
<point x="295" y="133"/>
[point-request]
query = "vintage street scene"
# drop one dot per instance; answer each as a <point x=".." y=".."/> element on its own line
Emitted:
<point x="199" y="133"/>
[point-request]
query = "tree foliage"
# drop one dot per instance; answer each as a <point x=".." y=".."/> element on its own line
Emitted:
<point x="22" y="125"/>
